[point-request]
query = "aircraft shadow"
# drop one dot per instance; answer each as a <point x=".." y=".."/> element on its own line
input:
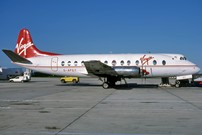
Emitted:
<point x="134" y="85"/>
<point x="129" y="86"/>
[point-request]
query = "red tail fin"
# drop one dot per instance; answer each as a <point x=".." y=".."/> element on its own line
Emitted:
<point x="26" y="48"/>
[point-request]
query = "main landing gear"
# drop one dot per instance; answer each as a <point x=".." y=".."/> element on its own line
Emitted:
<point x="105" y="85"/>
<point x="110" y="82"/>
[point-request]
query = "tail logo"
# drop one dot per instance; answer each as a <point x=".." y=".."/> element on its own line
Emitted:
<point x="22" y="48"/>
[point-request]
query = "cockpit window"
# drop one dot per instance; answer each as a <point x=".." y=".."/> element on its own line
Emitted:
<point x="183" y="58"/>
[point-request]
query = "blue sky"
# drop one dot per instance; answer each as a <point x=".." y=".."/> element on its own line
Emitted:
<point x="105" y="26"/>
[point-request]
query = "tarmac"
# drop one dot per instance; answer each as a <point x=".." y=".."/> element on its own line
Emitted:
<point x="45" y="106"/>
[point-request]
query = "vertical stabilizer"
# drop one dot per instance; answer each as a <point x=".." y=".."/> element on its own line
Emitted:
<point x="26" y="48"/>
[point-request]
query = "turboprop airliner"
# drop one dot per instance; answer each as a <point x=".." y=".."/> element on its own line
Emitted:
<point x="110" y="68"/>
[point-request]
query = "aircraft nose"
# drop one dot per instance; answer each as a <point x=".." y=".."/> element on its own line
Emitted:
<point x="197" y="69"/>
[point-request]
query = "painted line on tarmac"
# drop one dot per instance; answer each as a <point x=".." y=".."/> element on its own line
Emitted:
<point x="67" y="133"/>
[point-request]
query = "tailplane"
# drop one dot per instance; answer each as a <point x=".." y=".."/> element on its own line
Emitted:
<point x="26" y="48"/>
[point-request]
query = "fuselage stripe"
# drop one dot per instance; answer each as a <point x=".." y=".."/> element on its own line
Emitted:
<point x="145" y="66"/>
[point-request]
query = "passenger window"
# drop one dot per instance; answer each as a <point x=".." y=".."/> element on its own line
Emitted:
<point x="122" y="63"/>
<point x="69" y="63"/>
<point x="154" y="62"/>
<point x="75" y="63"/>
<point x="113" y="63"/>
<point x="82" y="63"/>
<point x="137" y="62"/>
<point x="62" y="63"/>
<point x="164" y="62"/>
<point x="128" y="62"/>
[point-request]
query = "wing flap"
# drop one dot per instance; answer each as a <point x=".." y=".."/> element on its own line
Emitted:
<point x="15" y="57"/>
<point x="99" y="69"/>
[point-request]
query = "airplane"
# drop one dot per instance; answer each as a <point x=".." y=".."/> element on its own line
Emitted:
<point x="109" y="68"/>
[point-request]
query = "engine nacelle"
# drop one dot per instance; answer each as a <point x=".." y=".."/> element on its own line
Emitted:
<point x="128" y="71"/>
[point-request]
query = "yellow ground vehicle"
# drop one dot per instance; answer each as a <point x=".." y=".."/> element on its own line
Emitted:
<point x="69" y="79"/>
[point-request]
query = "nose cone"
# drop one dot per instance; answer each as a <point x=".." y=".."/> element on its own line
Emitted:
<point x="194" y="68"/>
<point x="197" y="69"/>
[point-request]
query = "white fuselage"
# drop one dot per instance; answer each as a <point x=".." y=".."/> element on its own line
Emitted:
<point x="157" y="65"/>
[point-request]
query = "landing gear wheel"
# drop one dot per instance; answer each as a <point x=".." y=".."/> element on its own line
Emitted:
<point x="105" y="85"/>
<point x="177" y="84"/>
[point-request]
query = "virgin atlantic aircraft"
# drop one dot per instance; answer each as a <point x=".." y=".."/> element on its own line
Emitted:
<point x="110" y="68"/>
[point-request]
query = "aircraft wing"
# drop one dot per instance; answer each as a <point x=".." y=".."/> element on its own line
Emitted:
<point x="15" y="57"/>
<point x="99" y="69"/>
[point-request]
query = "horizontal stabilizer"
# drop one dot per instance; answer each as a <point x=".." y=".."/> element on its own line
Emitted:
<point x="15" y="57"/>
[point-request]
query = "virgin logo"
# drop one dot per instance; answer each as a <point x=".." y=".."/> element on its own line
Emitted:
<point x="22" y="48"/>
<point x="145" y="60"/>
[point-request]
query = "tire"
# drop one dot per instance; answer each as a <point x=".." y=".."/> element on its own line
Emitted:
<point x="105" y="85"/>
<point x="177" y="84"/>
<point x="63" y="81"/>
<point x="74" y="81"/>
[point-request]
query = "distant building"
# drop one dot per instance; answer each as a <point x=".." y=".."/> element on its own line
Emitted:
<point x="6" y="73"/>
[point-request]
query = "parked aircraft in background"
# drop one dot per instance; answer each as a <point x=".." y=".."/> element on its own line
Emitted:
<point x="110" y="68"/>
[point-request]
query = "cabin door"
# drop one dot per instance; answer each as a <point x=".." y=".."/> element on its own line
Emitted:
<point x="54" y="64"/>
